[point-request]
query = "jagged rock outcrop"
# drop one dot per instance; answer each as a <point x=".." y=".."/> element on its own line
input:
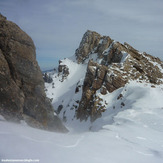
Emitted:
<point x="111" y="65"/>
<point x="47" y="78"/>
<point x="89" y="42"/>
<point x="63" y="71"/>
<point x="22" y="95"/>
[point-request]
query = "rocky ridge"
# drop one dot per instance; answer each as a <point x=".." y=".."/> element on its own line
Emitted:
<point x="22" y="95"/>
<point x="109" y="66"/>
<point x="115" y="65"/>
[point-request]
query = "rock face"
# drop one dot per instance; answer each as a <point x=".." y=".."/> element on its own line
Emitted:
<point x="22" y="95"/>
<point x="111" y="65"/>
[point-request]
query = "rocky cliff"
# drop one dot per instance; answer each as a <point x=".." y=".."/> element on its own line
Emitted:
<point x="22" y="95"/>
<point x="115" y="65"/>
<point x="99" y="67"/>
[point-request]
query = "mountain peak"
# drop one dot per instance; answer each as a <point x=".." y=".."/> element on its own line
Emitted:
<point x="109" y="66"/>
<point x="89" y="41"/>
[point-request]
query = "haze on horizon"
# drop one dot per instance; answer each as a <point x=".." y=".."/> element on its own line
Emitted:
<point x="57" y="26"/>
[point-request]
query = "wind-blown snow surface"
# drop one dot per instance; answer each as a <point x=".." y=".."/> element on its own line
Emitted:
<point x="130" y="134"/>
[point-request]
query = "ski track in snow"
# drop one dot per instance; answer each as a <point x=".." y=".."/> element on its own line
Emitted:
<point x="76" y="144"/>
<point x="146" y="154"/>
<point x="50" y="142"/>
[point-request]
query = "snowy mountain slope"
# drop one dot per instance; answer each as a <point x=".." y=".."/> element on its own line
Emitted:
<point x="132" y="102"/>
<point x="83" y="83"/>
<point x="132" y="133"/>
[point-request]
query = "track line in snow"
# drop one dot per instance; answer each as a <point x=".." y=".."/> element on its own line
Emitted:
<point x="145" y="154"/>
<point x="142" y="138"/>
<point x="50" y="142"/>
<point x="34" y="140"/>
<point x="76" y="144"/>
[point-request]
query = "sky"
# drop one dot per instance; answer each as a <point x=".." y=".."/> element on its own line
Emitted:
<point x="57" y="26"/>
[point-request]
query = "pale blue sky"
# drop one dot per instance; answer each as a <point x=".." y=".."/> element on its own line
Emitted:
<point x="57" y="26"/>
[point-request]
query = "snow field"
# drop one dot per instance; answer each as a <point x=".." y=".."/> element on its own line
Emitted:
<point x="133" y="135"/>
